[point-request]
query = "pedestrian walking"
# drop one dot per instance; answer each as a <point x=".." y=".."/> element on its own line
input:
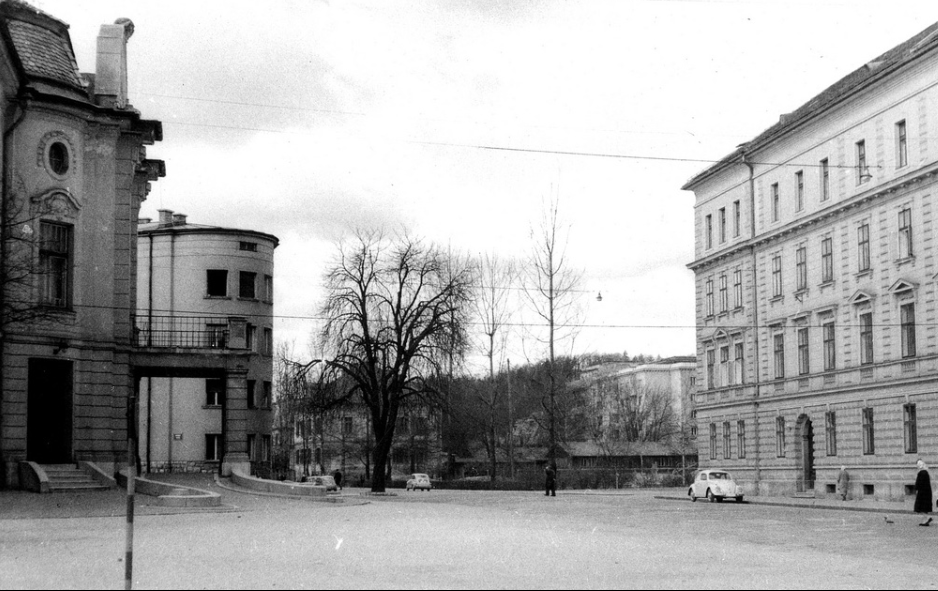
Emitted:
<point x="550" y="485"/>
<point x="338" y="479"/>
<point x="923" y="496"/>
<point x="843" y="483"/>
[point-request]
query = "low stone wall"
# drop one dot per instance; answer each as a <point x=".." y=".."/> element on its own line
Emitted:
<point x="171" y="495"/>
<point x="276" y="486"/>
<point x="193" y="467"/>
<point x="33" y="477"/>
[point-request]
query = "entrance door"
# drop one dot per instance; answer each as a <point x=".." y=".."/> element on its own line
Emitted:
<point x="807" y="450"/>
<point x="49" y="412"/>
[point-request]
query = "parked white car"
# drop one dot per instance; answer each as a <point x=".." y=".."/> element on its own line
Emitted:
<point x="421" y="481"/>
<point x="715" y="485"/>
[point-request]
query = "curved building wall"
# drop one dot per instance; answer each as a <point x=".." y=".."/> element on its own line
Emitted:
<point x="195" y="279"/>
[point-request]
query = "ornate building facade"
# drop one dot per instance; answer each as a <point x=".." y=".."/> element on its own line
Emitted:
<point x="815" y="264"/>
<point x="74" y="173"/>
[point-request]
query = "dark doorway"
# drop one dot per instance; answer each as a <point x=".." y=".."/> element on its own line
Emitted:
<point x="806" y="456"/>
<point x="49" y="412"/>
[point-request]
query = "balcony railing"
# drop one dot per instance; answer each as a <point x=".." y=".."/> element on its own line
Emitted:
<point x="192" y="332"/>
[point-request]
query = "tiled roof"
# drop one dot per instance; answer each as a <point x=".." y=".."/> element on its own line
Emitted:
<point x="895" y="57"/>
<point x="44" y="53"/>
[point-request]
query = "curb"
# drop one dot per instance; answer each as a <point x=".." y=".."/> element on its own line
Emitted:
<point x="329" y="500"/>
<point x="813" y="506"/>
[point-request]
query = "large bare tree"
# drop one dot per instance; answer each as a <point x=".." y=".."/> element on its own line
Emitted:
<point x="395" y="312"/>
<point x="551" y="287"/>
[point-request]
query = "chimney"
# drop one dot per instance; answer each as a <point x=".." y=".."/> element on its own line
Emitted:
<point x="166" y="217"/>
<point x="144" y="220"/>
<point x="179" y="219"/>
<point x="110" y="81"/>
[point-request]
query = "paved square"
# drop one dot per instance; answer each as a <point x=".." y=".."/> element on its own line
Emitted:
<point x="448" y="539"/>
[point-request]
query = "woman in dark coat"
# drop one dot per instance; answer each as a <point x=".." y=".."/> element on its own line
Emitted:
<point x="923" y="497"/>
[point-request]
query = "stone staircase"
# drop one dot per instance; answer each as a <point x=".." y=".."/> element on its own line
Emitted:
<point x="70" y="478"/>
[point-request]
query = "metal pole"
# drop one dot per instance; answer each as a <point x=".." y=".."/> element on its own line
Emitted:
<point x="131" y="477"/>
<point x="511" y="430"/>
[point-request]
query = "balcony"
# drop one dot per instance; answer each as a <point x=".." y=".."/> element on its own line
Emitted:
<point x="190" y="332"/>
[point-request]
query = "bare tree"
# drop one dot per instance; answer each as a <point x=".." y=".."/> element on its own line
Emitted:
<point x="395" y="311"/>
<point x="551" y="288"/>
<point x="492" y="311"/>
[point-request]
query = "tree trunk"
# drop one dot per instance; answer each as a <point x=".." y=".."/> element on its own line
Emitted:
<point x="381" y="456"/>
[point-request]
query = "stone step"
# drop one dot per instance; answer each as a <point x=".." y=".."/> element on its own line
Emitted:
<point x="54" y="467"/>
<point x="75" y="487"/>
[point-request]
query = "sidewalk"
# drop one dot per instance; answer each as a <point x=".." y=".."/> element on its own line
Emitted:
<point x="863" y="505"/>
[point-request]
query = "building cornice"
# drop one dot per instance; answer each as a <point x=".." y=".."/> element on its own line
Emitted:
<point x="923" y="175"/>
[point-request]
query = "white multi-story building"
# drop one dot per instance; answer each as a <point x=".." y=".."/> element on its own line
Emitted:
<point x="816" y="287"/>
<point x="205" y="332"/>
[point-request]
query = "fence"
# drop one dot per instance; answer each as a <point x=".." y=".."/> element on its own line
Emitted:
<point x="182" y="331"/>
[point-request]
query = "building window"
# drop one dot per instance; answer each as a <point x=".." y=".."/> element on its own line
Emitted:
<point x="246" y="285"/>
<point x="907" y="328"/>
<point x="55" y="253"/>
<point x="252" y="401"/>
<point x="804" y="358"/>
<point x="265" y="448"/>
<point x="727" y="441"/>
<point x="825" y="180"/>
<point x="863" y="248"/>
<point x="722" y="225"/>
<point x="217" y="283"/>
<point x="863" y="171"/>
<point x="738" y="288"/>
<point x="251" y="336"/>
<point x="725" y="366"/>
<point x="779" y="349"/>
<point x="268" y="288"/>
<point x="827" y="260"/>
<point x="709" y="297"/>
<point x="738" y="364"/>
<point x="724" y="295"/>
<point x="214" y="392"/>
<point x="58" y="158"/>
<point x="247" y="246"/>
<point x="866" y="338"/>
<point x="709" y="231"/>
<point x="830" y="351"/>
<point x="713" y="441"/>
<point x="268" y="342"/>
<point x="776" y="276"/>
<point x="711" y="360"/>
<point x="910" y="428"/>
<point x="775" y="202"/>
<point x="216" y="335"/>
<point x="902" y="145"/>
<point x="905" y="233"/>
<point x="741" y="440"/>
<point x="252" y="447"/>
<point x="780" y="437"/>
<point x="801" y="269"/>
<point x="267" y="395"/>
<point x="830" y="432"/>
<point x="347" y="425"/>
<point x="736" y="219"/>
<point x="799" y="189"/>
<point x="213" y="447"/>
<point x="869" y="446"/>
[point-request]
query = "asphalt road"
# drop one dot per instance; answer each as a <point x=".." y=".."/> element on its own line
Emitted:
<point x="483" y="540"/>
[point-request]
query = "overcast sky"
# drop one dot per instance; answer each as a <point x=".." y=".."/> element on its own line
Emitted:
<point x="306" y="119"/>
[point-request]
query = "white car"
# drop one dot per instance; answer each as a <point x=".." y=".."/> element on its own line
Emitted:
<point x="421" y="481"/>
<point x="715" y="485"/>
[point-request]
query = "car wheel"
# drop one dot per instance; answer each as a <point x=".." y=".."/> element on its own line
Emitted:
<point x="739" y="499"/>
<point x="710" y="496"/>
<point x="693" y="497"/>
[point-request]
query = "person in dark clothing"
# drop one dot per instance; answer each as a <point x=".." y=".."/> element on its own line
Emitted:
<point x="923" y="496"/>
<point x="338" y="479"/>
<point x="550" y="472"/>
